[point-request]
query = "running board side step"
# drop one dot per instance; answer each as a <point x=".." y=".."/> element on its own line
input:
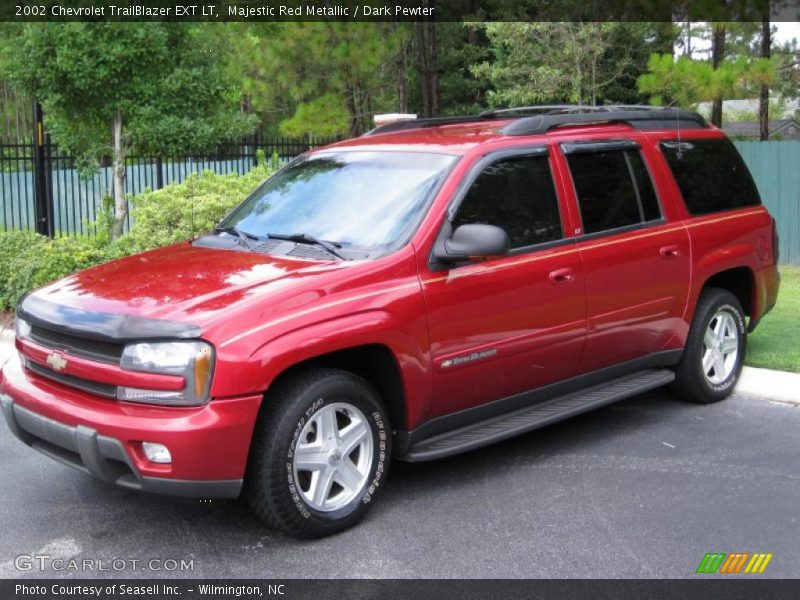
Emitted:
<point x="539" y="415"/>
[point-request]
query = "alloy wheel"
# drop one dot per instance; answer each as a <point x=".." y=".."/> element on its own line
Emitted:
<point x="720" y="347"/>
<point x="333" y="457"/>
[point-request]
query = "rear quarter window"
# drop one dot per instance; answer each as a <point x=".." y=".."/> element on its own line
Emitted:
<point x="711" y="175"/>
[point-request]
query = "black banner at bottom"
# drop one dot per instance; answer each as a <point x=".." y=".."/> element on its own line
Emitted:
<point x="385" y="589"/>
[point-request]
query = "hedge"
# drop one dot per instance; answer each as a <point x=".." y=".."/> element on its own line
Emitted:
<point x="172" y="214"/>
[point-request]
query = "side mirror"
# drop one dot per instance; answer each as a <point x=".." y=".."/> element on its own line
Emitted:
<point x="474" y="240"/>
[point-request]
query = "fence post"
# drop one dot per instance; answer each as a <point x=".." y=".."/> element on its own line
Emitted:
<point x="255" y="140"/>
<point x="159" y="173"/>
<point x="43" y="202"/>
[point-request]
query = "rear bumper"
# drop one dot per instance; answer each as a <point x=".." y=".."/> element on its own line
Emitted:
<point x="209" y="444"/>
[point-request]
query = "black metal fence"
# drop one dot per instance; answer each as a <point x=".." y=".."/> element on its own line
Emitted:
<point x="42" y="189"/>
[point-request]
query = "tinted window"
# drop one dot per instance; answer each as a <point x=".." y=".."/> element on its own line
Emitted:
<point x="614" y="189"/>
<point x="644" y="186"/>
<point x="711" y="175"/>
<point x="516" y="194"/>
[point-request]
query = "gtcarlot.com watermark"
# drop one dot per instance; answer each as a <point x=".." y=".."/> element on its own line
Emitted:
<point x="46" y="562"/>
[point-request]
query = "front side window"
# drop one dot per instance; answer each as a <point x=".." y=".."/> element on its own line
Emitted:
<point x="710" y="175"/>
<point x="614" y="189"/>
<point x="369" y="201"/>
<point x="517" y="195"/>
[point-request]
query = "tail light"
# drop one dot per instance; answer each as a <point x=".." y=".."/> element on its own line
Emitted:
<point x="775" y="242"/>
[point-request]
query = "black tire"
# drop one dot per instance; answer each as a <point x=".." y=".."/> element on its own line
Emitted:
<point x="691" y="383"/>
<point x="270" y="486"/>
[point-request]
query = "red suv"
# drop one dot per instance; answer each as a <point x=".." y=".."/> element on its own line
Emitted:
<point x="426" y="289"/>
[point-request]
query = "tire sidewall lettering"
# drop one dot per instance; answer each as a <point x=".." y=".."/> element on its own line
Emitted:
<point x="380" y="437"/>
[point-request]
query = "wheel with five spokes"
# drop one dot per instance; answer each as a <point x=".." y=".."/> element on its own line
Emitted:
<point x="320" y="453"/>
<point x="714" y="354"/>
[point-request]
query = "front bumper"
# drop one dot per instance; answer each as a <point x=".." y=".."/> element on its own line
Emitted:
<point x="209" y="444"/>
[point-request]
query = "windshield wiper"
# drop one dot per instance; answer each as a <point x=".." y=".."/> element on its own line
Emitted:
<point x="305" y="238"/>
<point x="243" y="236"/>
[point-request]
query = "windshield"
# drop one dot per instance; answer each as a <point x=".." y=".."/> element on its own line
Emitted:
<point x="365" y="200"/>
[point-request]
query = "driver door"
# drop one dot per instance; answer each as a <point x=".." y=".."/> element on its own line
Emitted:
<point x="512" y="323"/>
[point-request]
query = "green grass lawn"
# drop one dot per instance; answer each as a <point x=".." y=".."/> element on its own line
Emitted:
<point x="775" y="344"/>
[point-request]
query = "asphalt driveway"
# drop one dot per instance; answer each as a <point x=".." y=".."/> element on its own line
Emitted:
<point x="640" y="489"/>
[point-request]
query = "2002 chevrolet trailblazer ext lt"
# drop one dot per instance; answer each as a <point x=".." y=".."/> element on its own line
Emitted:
<point x="423" y="290"/>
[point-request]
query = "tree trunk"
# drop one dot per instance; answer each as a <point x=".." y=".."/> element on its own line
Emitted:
<point x="120" y="203"/>
<point x="422" y="68"/>
<point x="433" y="70"/>
<point x="763" y="100"/>
<point x="717" y="56"/>
<point x="689" y="39"/>
<point x="402" y="91"/>
<point x="7" y="113"/>
<point x="352" y="110"/>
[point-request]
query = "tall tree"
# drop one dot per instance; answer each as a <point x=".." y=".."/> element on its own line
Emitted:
<point x="581" y="63"/>
<point x="689" y="81"/>
<point x="322" y="78"/>
<point x="108" y="88"/>
<point x="763" y="97"/>
<point x="719" y="31"/>
<point x="428" y="66"/>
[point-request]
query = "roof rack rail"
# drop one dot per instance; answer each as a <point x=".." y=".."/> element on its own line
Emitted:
<point x="637" y="117"/>
<point x="532" y="120"/>
<point x="540" y="109"/>
<point x="426" y="122"/>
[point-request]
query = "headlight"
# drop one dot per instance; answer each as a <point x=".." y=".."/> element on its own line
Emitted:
<point x="192" y="360"/>
<point x="23" y="328"/>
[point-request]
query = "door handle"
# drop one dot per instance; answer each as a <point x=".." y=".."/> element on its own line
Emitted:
<point x="669" y="251"/>
<point x="561" y="275"/>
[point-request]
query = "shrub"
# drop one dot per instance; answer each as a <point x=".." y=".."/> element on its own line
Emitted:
<point x="45" y="261"/>
<point x="181" y="211"/>
<point x="13" y="244"/>
<point x="175" y="213"/>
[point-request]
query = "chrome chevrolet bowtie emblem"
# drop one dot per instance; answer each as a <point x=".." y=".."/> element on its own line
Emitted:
<point x="55" y="360"/>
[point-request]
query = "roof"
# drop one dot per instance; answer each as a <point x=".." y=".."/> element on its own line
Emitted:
<point x="787" y="129"/>
<point x="457" y="135"/>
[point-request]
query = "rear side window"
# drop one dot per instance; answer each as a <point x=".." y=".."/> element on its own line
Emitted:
<point x="710" y="175"/>
<point x="614" y="189"/>
<point x="516" y="194"/>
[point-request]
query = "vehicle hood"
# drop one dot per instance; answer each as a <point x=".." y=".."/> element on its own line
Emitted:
<point x="183" y="283"/>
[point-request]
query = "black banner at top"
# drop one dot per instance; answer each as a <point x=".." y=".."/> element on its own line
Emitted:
<point x="397" y="10"/>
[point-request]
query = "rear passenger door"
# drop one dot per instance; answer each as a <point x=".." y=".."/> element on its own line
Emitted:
<point x="636" y="264"/>
<point x="511" y="323"/>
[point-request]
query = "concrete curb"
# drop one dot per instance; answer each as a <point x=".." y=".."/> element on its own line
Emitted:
<point x="780" y="386"/>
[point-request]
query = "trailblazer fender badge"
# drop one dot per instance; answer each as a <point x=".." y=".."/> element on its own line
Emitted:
<point x="56" y="361"/>
<point x="467" y="358"/>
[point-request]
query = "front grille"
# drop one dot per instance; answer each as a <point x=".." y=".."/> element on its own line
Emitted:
<point x="93" y="387"/>
<point x="107" y="352"/>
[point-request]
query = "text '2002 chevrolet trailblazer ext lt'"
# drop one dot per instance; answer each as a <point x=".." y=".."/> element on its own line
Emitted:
<point x="426" y="289"/>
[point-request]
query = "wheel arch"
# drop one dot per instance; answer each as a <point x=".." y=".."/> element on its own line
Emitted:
<point x="374" y="362"/>
<point x="739" y="281"/>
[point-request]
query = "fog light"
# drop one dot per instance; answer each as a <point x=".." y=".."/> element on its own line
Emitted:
<point x="157" y="453"/>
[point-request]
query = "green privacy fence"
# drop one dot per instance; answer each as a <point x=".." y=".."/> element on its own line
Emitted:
<point x="776" y="168"/>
